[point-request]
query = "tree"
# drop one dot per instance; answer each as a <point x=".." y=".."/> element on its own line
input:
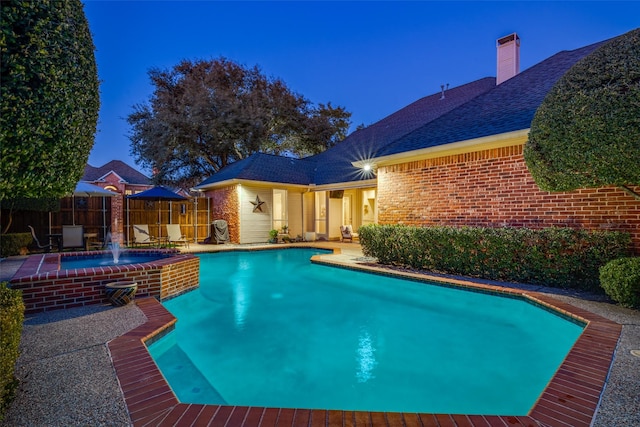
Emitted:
<point x="204" y="115"/>
<point x="49" y="97"/>
<point x="586" y="132"/>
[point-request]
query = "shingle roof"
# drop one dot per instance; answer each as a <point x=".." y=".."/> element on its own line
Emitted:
<point x="470" y="111"/>
<point x="266" y="167"/>
<point x="334" y="165"/>
<point x="124" y="171"/>
<point x="508" y="107"/>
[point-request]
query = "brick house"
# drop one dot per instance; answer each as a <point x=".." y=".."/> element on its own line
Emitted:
<point x="452" y="158"/>
<point x="120" y="178"/>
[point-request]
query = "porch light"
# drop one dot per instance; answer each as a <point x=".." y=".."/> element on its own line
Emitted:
<point x="366" y="168"/>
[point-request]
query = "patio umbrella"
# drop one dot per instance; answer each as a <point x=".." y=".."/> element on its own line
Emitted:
<point x="84" y="189"/>
<point x="158" y="194"/>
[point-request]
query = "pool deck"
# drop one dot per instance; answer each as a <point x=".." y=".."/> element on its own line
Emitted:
<point x="89" y="366"/>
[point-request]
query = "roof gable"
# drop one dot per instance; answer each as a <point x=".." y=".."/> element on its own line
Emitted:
<point x="267" y="168"/>
<point x="121" y="169"/>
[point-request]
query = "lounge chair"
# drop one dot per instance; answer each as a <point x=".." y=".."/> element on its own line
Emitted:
<point x="141" y="235"/>
<point x="46" y="247"/>
<point x="73" y="237"/>
<point x="347" y="233"/>
<point x="174" y="235"/>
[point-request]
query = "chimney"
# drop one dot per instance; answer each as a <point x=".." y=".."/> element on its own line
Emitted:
<point x="508" y="57"/>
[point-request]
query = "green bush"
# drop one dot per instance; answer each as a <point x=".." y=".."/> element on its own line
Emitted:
<point x="585" y="133"/>
<point x="11" y="317"/>
<point x="620" y="279"/>
<point x="10" y="244"/>
<point x="559" y="257"/>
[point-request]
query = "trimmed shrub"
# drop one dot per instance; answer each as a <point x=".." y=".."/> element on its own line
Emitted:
<point x="11" y="318"/>
<point x="11" y="244"/>
<point x="620" y="279"/>
<point x="585" y="133"/>
<point x="559" y="257"/>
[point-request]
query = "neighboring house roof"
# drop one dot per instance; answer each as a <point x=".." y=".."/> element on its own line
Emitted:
<point x="123" y="170"/>
<point x="267" y="168"/>
<point x="475" y="110"/>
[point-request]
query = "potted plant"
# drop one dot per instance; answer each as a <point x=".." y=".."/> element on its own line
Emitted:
<point x="273" y="236"/>
<point x="285" y="229"/>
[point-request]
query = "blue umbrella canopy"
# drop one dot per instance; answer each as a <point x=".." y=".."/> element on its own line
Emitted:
<point x="158" y="194"/>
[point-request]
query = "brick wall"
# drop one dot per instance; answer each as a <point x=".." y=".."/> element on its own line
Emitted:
<point x="494" y="188"/>
<point x="225" y="204"/>
<point x="53" y="289"/>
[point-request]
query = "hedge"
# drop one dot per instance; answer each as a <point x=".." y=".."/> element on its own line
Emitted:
<point x="11" y="318"/>
<point x="558" y="257"/>
<point x="620" y="280"/>
<point x="11" y="244"/>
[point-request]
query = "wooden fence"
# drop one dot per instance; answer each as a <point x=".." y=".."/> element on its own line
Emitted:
<point x="194" y="223"/>
<point x="95" y="214"/>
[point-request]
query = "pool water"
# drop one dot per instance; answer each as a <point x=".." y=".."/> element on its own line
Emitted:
<point x="271" y="329"/>
<point x="88" y="261"/>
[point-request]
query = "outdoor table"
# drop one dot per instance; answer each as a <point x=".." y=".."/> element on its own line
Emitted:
<point x="87" y="238"/>
<point x="57" y="238"/>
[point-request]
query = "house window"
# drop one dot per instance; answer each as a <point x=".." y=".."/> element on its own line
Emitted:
<point x="279" y="209"/>
<point x="321" y="212"/>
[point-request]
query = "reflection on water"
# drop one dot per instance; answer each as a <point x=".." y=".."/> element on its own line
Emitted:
<point x="365" y="356"/>
<point x="241" y="295"/>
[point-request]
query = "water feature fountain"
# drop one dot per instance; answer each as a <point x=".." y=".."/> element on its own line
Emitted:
<point x="114" y="246"/>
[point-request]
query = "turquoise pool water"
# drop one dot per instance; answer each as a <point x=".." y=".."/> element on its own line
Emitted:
<point x="87" y="261"/>
<point x="271" y="329"/>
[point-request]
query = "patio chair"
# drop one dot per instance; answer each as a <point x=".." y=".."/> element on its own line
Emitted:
<point x="141" y="235"/>
<point x="73" y="237"/>
<point x="174" y="235"/>
<point x="346" y="231"/>
<point x="46" y="247"/>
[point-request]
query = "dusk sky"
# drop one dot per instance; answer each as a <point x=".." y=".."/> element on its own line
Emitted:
<point x="372" y="58"/>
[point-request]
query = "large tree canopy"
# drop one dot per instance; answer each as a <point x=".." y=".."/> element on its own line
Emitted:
<point x="49" y="97"/>
<point x="204" y="115"/>
<point x="586" y="132"/>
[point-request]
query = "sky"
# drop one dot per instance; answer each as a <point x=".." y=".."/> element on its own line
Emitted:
<point x="371" y="58"/>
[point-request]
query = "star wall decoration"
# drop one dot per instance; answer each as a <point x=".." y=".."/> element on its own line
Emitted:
<point x="257" y="205"/>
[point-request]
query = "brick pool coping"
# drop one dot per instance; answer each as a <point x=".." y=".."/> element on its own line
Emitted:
<point x="570" y="399"/>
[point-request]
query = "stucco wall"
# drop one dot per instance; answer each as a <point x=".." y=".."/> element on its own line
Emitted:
<point x="494" y="188"/>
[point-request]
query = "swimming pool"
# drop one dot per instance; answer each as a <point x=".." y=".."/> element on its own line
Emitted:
<point x="309" y="336"/>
